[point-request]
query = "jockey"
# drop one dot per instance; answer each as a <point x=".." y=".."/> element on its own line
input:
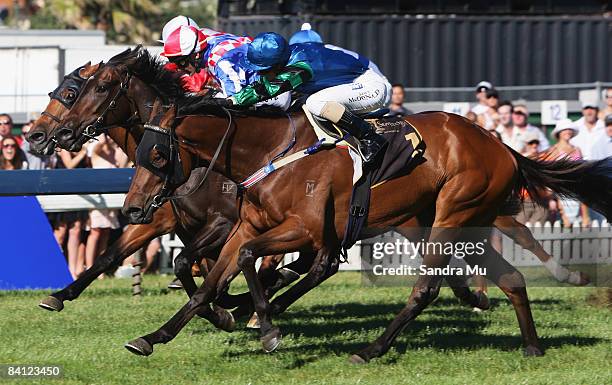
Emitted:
<point x="191" y="50"/>
<point x="340" y="86"/>
<point x="308" y="35"/>
<point x="198" y="80"/>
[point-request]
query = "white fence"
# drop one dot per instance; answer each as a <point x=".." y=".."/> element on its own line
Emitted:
<point x="575" y="245"/>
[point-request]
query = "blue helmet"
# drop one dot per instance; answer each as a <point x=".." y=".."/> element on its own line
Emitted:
<point x="305" y="36"/>
<point x="267" y="50"/>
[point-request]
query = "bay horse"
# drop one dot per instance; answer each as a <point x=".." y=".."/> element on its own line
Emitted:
<point x="202" y="220"/>
<point x="452" y="190"/>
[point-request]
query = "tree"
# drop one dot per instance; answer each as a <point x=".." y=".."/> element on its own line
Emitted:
<point x="124" y="21"/>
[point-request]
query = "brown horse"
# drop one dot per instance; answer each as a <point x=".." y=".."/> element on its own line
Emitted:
<point x="452" y="190"/>
<point x="202" y="220"/>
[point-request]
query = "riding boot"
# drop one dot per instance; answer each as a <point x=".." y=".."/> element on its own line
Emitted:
<point x="370" y="143"/>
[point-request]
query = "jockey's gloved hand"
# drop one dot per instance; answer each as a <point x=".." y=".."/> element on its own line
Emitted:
<point x="227" y="102"/>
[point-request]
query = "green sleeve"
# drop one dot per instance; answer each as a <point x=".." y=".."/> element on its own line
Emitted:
<point x="292" y="77"/>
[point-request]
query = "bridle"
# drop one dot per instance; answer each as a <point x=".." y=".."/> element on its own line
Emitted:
<point x="73" y="82"/>
<point x="175" y="175"/>
<point x="95" y="129"/>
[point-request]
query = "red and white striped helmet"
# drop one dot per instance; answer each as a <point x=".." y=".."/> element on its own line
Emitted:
<point x="185" y="40"/>
<point x="174" y="24"/>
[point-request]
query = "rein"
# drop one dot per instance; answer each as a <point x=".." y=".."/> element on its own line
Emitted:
<point x="164" y="194"/>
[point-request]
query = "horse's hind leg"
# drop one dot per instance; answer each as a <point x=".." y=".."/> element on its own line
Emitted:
<point x="512" y="283"/>
<point x="521" y="234"/>
<point x="458" y="285"/>
<point x="423" y="293"/>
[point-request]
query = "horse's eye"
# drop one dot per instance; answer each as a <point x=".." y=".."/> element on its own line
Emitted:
<point x="158" y="158"/>
<point x="70" y="95"/>
<point x="101" y="89"/>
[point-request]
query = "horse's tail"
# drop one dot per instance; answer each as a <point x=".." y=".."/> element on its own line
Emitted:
<point x="587" y="181"/>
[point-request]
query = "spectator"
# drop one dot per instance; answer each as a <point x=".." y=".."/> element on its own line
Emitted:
<point x="71" y="223"/>
<point x="481" y="96"/>
<point x="489" y="119"/>
<point x="471" y="116"/>
<point x="603" y="146"/>
<point x="607" y="110"/>
<point x="6" y="125"/>
<point x="520" y="116"/>
<point x="11" y="157"/>
<point x="532" y="212"/>
<point x="397" y="101"/>
<point x="505" y="126"/>
<point x="589" y="129"/>
<point x="104" y="154"/>
<point x="532" y="142"/>
<point x="564" y="131"/>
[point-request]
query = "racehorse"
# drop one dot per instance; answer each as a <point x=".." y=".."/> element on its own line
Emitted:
<point x="452" y="190"/>
<point x="187" y="216"/>
<point x="202" y="220"/>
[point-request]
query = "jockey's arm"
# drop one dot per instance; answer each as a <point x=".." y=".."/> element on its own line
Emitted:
<point x="289" y="79"/>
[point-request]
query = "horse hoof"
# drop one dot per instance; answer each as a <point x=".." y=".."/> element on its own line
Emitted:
<point x="483" y="301"/>
<point x="533" y="351"/>
<point x="52" y="304"/>
<point x="271" y="340"/>
<point x="253" y="322"/>
<point x="226" y="320"/>
<point x="357" y="360"/>
<point x="140" y="347"/>
<point x="578" y="278"/>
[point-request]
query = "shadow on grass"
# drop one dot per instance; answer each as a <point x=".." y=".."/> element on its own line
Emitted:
<point x="454" y="328"/>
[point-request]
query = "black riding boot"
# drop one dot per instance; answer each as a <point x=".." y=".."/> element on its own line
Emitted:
<point x="370" y="143"/>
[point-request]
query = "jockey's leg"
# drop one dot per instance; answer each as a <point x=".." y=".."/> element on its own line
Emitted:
<point x="341" y="103"/>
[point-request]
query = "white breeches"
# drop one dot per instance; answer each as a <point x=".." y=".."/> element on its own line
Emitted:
<point x="368" y="92"/>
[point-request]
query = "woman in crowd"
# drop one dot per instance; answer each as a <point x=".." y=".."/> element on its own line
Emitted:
<point x="12" y="157"/>
<point x="71" y="223"/>
<point x="564" y="131"/>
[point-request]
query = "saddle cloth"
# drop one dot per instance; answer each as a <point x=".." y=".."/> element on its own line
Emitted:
<point x="404" y="151"/>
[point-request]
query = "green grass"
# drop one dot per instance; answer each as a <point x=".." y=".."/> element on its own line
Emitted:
<point x="447" y="343"/>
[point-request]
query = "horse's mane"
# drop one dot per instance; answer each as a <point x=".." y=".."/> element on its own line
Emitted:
<point x="150" y="69"/>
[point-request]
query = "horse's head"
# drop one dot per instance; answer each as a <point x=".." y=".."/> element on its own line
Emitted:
<point x="41" y="135"/>
<point x="161" y="166"/>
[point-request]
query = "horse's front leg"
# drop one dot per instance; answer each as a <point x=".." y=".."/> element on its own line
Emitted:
<point x="287" y="237"/>
<point x="132" y="239"/>
<point x="219" y="277"/>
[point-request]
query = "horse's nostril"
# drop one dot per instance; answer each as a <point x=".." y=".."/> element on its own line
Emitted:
<point x="64" y="133"/>
<point x="36" y="137"/>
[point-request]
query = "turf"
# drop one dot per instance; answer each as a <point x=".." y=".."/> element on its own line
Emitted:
<point x="447" y="344"/>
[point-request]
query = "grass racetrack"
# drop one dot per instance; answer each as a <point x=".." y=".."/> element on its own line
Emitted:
<point x="447" y="344"/>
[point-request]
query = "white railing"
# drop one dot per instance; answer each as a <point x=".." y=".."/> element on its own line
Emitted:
<point x="575" y="245"/>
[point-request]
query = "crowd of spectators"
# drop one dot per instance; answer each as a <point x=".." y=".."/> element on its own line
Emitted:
<point x="589" y="138"/>
<point x="82" y="235"/>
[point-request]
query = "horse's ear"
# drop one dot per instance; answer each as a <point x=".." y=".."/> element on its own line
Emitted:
<point x="87" y="70"/>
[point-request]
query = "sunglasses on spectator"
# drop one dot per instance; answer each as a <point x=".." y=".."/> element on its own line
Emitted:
<point x="9" y="145"/>
<point x="534" y="142"/>
<point x="5" y="122"/>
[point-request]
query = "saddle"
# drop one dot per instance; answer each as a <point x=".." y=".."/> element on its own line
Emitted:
<point x="404" y="152"/>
